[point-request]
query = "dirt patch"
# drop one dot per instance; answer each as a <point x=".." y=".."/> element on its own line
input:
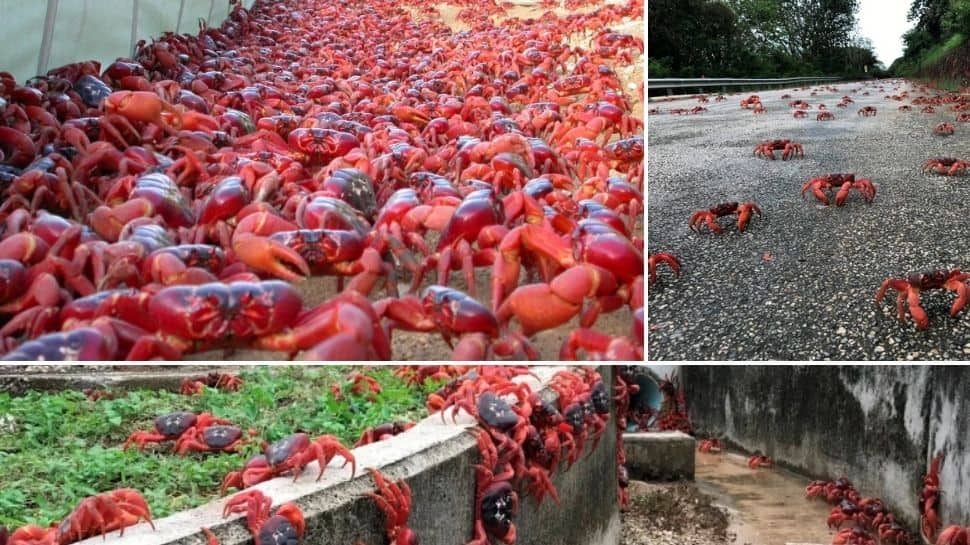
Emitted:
<point x="672" y="514"/>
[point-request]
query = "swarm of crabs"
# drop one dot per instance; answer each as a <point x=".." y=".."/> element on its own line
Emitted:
<point x="862" y="520"/>
<point x="842" y="184"/>
<point x="166" y="203"/>
<point x="524" y="437"/>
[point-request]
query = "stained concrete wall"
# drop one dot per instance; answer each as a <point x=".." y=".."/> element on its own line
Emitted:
<point x="877" y="425"/>
<point x="436" y="458"/>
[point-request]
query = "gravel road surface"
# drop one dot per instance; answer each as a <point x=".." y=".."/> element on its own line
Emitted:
<point x="799" y="283"/>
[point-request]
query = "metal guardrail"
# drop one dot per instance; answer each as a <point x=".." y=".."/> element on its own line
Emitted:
<point x="700" y="83"/>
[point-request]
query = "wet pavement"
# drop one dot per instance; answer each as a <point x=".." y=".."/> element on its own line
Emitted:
<point x="799" y="283"/>
<point x="765" y="506"/>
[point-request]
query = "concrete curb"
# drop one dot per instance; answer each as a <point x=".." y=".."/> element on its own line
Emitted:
<point x="436" y="460"/>
<point x="17" y="384"/>
<point x="659" y="456"/>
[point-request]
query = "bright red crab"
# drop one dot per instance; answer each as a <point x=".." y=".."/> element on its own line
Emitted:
<point x="103" y="513"/>
<point x="382" y="432"/>
<point x="294" y="452"/>
<point x="742" y="210"/>
<point x="394" y="499"/>
<point x="954" y="535"/>
<point x="944" y="129"/>
<point x="358" y="384"/>
<point x="853" y="536"/>
<point x="909" y="289"/>
<point x="711" y="446"/>
<point x="867" y="111"/>
<point x="759" y="460"/>
<point x="496" y="502"/>
<point x="845" y="183"/>
<point x="171" y="427"/>
<point x="662" y="257"/>
<point x="254" y="471"/>
<point x="929" y="500"/>
<point x="285" y="527"/>
<point x="210" y="439"/>
<point x="947" y="166"/>
<point x="219" y="381"/>
<point x="789" y="149"/>
<point x="825" y="116"/>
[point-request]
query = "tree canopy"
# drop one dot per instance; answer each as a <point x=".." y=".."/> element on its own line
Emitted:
<point x="757" y="38"/>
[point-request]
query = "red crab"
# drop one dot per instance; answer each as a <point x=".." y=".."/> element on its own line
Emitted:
<point x="220" y="381"/>
<point x="853" y="536"/>
<point x="743" y="211"/>
<point x="944" y="129"/>
<point x="759" y="460"/>
<point x="294" y="452"/>
<point x="382" y="432"/>
<point x="844" y="182"/>
<point x="929" y="500"/>
<point x="799" y="114"/>
<point x="448" y="311"/>
<point x="711" y="446"/>
<point x="29" y="535"/>
<point x="103" y="513"/>
<point x="789" y="149"/>
<point x="867" y="111"/>
<point x="909" y="290"/>
<point x="845" y="510"/>
<point x="954" y="535"/>
<point x="750" y="102"/>
<point x="394" y="499"/>
<point x="947" y="166"/>
<point x="662" y="257"/>
<point x="285" y="527"/>
<point x="210" y="439"/>
<point x="825" y="116"/>
<point x="254" y="471"/>
<point x="496" y="502"/>
<point x="359" y="384"/>
<point x="172" y="426"/>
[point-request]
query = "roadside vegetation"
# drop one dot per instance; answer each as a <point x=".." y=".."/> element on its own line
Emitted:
<point x="757" y="38"/>
<point x="57" y="448"/>
<point x="937" y="48"/>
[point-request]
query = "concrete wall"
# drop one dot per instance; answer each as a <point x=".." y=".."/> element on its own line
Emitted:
<point x="877" y="425"/>
<point x="436" y="459"/>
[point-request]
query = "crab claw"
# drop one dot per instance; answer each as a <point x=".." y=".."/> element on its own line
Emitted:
<point x="270" y="257"/>
<point x="662" y="257"/>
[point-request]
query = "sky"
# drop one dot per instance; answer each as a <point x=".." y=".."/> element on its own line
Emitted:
<point x="884" y="22"/>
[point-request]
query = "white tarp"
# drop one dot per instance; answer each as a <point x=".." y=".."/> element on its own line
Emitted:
<point x="101" y="30"/>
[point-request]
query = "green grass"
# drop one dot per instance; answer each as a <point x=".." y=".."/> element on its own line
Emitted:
<point x="934" y="55"/>
<point x="56" y="448"/>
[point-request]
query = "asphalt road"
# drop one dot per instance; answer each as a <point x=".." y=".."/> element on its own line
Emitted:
<point x="799" y="283"/>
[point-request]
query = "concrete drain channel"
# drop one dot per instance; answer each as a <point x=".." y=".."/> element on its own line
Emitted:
<point x="435" y="458"/>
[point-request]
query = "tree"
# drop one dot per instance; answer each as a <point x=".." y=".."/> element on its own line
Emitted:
<point x="755" y="37"/>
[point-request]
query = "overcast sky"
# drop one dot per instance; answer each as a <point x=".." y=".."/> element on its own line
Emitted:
<point x="884" y="22"/>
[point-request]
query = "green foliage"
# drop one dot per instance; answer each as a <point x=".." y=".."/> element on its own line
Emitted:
<point x="56" y="448"/>
<point x="757" y="38"/>
<point x="935" y="48"/>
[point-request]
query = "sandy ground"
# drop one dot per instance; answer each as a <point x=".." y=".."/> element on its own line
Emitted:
<point x="728" y="503"/>
<point x="431" y="347"/>
<point x="800" y="282"/>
